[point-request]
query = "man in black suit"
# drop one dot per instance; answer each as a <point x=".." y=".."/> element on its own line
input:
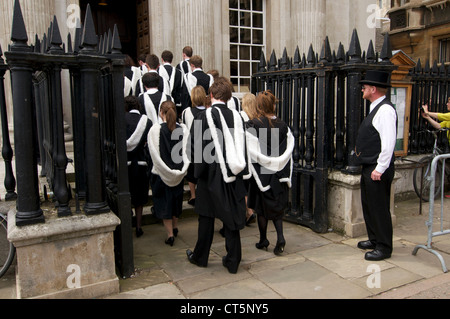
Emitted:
<point x="197" y="77"/>
<point x="174" y="78"/>
<point x="220" y="188"/>
<point x="183" y="66"/>
<point x="374" y="150"/>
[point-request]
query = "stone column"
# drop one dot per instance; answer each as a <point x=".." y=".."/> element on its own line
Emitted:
<point x="296" y="23"/>
<point x="175" y="24"/>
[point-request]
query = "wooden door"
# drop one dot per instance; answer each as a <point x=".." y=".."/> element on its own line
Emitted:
<point x="143" y="27"/>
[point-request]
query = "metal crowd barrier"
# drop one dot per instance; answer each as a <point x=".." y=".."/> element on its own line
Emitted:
<point x="429" y="223"/>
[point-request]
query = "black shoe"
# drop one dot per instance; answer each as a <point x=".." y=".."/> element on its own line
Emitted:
<point x="279" y="248"/>
<point x="376" y="255"/>
<point x="262" y="244"/>
<point x="170" y="241"/>
<point x="251" y="220"/>
<point x="175" y="232"/>
<point x="366" y="244"/>
<point x="224" y="263"/>
<point x="190" y="256"/>
<point x="191" y="202"/>
<point x="139" y="232"/>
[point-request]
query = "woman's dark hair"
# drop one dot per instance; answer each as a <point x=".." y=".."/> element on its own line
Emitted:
<point x="132" y="103"/>
<point x="266" y="104"/>
<point x="169" y="110"/>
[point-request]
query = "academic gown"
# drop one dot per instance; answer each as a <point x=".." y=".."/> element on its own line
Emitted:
<point x="220" y="188"/>
<point x="188" y="117"/>
<point x="170" y="164"/>
<point x="175" y="79"/>
<point x="191" y="80"/>
<point x="137" y="128"/>
<point x="271" y="166"/>
<point x="151" y="104"/>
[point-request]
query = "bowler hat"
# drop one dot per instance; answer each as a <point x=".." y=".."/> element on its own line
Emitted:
<point x="377" y="78"/>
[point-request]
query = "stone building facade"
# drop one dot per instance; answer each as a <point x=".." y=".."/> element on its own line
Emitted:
<point x="420" y="28"/>
<point x="228" y="34"/>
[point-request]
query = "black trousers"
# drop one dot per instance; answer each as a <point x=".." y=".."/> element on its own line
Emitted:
<point x="375" y="199"/>
<point x="205" y="239"/>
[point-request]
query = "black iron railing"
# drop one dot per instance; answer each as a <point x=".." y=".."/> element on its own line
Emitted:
<point x="320" y="98"/>
<point x="99" y="132"/>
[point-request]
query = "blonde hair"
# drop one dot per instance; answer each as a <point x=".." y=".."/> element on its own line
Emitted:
<point x="198" y="96"/>
<point x="250" y="106"/>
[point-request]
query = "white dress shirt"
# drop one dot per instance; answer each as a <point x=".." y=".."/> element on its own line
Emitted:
<point x="385" y="122"/>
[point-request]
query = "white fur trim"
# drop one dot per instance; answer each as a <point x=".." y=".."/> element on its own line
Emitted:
<point x="135" y="138"/>
<point x="191" y="82"/>
<point x="188" y="118"/>
<point x="274" y="164"/>
<point x="169" y="176"/>
<point x="150" y="108"/>
<point x="234" y="146"/>
<point x="126" y="86"/>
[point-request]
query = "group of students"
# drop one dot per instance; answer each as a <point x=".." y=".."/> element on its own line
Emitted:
<point x="238" y="162"/>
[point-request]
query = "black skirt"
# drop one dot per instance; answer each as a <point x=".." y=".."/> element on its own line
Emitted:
<point x="139" y="184"/>
<point x="167" y="201"/>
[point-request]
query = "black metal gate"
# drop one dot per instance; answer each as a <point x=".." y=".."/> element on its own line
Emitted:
<point x="99" y="132"/>
<point x="320" y="98"/>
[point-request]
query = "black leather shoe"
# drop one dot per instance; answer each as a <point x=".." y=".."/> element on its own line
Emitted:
<point x="376" y="255"/>
<point x="190" y="256"/>
<point x="169" y="241"/>
<point x="367" y="244"/>
<point x="224" y="263"/>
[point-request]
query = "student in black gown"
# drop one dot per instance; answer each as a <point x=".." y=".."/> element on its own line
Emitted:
<point x="220" y="189"/>
<point x="167" y="145"/>
<point x="137" y="127"/>
<point x="270" y="144"/>
<point x="198" y="98"/>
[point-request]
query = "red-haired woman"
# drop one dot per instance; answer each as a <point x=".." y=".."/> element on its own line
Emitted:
<point x="270" y="144"/>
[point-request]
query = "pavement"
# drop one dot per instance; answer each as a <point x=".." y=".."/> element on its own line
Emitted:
<point x="313" y="266"/>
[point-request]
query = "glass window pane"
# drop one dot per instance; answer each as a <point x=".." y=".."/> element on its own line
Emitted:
<point x="258" y="20"/>
<point x="246" y="36"/>
<point x="245" y="85"/>
<point x="234" y="18"/>
<point x="234" y="69"/>
<point x="246" y="19"/>
<point x="256" y="53"/>
<point x="234" y="4"/>
<point x="258" y="36"/>
<point x="244" y="53"/>
<point x="244" y="69"/>
<point x="245" y="5"/>
<point x="234" y="35"/>
<point x="234" y="52"/>
<point x="255" y="68"/>
<point x="257" y="5"/>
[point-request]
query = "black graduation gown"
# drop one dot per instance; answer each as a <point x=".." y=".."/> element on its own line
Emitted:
<point x="220" y="188"/>
<point x="168" y="171"/>
<point x="188" y="117"/>
<point x="175" y="81"/>
<point x="198" y="77"/>
<point x="271" y="166"/>
<point x="137" y="127"/>
<point x="151" y="108"/>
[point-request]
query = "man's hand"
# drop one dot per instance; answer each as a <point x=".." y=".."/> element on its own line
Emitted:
<point x="376" y="176"/>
